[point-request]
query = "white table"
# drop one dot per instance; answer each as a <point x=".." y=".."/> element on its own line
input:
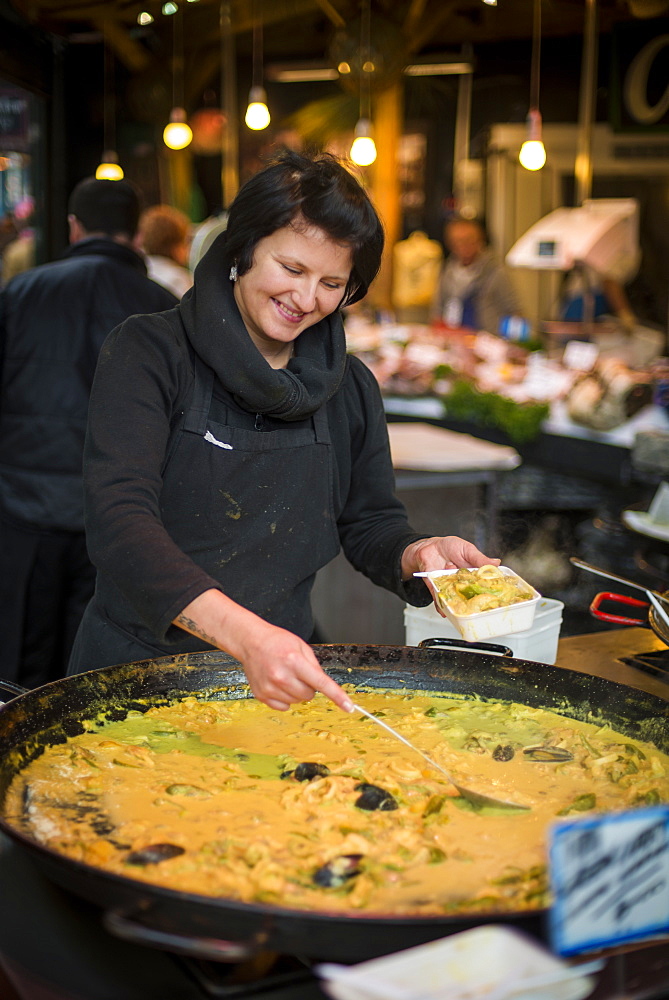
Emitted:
<point x="429" y="457"/>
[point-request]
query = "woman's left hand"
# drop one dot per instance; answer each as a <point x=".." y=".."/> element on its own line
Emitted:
<point x="447" y="552"/>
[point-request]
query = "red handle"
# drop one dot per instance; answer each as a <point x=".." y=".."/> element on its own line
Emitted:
<point x="618" y="599"/>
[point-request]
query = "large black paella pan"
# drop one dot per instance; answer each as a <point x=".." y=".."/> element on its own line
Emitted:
<point x="202" y="925"/>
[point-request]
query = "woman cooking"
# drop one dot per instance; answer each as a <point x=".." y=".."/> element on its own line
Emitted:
<point x="233" y="447"/>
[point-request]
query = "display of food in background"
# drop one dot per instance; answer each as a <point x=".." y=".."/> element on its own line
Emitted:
<point x="317" y="810"/>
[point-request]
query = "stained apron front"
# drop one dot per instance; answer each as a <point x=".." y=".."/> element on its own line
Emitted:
<point x="253" y="508"/>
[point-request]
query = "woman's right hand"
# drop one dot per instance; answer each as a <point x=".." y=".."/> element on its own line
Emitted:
<point x="281" y="668"/>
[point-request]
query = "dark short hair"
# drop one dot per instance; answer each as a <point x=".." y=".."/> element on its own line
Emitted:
<point x="475" y="223"/>
<point x="110" y="207"/>
<point x="325" y="193"/>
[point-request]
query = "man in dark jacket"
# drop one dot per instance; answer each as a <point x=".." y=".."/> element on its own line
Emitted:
<point x="53" y="320"/>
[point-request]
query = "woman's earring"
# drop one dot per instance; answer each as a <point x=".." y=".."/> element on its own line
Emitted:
<point x="233" y="273"/>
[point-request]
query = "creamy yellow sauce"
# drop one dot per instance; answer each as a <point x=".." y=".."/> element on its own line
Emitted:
<point x="202" y="780"/>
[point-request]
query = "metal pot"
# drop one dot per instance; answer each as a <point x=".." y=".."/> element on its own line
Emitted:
<point x="229" y="930"/>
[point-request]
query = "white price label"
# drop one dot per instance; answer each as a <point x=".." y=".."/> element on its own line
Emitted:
<point x="580" y="355"/>
<point x="609" y="880"/>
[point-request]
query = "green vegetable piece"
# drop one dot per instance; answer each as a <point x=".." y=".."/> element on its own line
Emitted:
<point x="650" y="798"/>
<point x="580" y="804"/>
<point x="189" y="791"/>
<point x="434" y="804"/>
<point x="436" y="856"/>
<point x="510" y="877"/>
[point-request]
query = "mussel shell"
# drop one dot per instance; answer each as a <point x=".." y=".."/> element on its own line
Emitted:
<point x="373" y="798"/>
<point x="553" y="755"/>
<point x="339" y="870"/>
<point x="307" y="771"/>
<point x="153" y="854"/>
<point x="503" y="752"/>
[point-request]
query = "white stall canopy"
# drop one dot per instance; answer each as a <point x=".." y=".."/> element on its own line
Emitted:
<point x="602" y="234"/>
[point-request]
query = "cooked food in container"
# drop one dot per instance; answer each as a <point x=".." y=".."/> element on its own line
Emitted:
<point x="485" y="602"/>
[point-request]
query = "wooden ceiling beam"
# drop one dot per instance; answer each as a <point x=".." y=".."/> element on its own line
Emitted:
<point x="413" y="16"/>
<point x="427" y="27"/>
<point x="332" y="13"/>
<point x="129" y="52"/>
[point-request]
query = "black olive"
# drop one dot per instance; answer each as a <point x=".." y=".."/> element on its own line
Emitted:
<point x="153" y="854"/>
<point x="503" y="752"/>
<point x="309" y="770"/>
<point x="339" y="870"/>
<point x="374" y="797"/>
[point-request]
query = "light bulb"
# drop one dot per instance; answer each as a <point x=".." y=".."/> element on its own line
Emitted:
<point x="257" y="114"/>
<point x="177" y="134"/>
<point x="108" y="169"/>
<point x="363" y="150"/>
<point x="532" y="154"/>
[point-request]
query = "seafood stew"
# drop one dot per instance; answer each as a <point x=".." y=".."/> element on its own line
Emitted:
<point x="314" y="810"/>
<point x="470" y="591"/>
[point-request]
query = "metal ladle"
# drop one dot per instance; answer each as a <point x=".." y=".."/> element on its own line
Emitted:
<point x="476" y="798"/>
<point x="619" y="579"/>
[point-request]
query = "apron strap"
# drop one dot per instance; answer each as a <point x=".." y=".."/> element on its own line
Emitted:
<point x="321" y="427"/>
<point x="196" y="417"/>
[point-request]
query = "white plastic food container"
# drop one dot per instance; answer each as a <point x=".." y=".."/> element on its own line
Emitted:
<point x="539" y="643"/>
<point x="491" y="962"/>
<point x="484" y="625"/>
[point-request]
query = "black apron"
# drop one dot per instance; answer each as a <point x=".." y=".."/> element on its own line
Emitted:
<point x="253" y="508"/>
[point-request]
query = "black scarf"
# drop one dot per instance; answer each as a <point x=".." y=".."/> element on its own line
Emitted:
<point x="218" y="335"/>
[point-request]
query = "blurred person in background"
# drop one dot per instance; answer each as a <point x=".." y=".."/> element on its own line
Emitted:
<point x="164" y="237"/>
<point x="18" y="254"/>
<point x="474" y="289"/>
<point x="53" y="320"/>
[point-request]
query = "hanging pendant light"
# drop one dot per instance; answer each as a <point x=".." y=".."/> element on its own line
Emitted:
<point x="257" y="115"/>
<point x="109" y="168"/>
<point x="532" y="154"/>
<point x="177" y="133"/>
<point x="363" y="149"/>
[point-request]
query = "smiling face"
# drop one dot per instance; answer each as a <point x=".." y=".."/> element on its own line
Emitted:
<point x="298" y="277"/>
